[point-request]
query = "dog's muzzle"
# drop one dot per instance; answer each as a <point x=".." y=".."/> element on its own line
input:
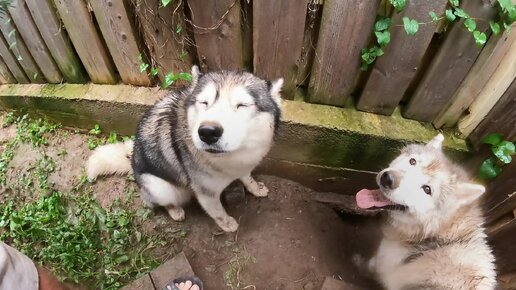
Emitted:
<point x="210" y="132"/>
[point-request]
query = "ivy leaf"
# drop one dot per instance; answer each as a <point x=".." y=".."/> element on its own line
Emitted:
<point x="143" y="67"/>
<point x="168" y="80"/>
<point x="461" y="13"/>
<point x="454" y="3"/>
<point x="184" y="76"/>
<point x="480" y="37"/>
<point x="165" y="2"/>
<point x="449" y="15"/>
<point x="506" y="5"/>
<point x="504" y="150"/>
<point x="154" y="71"/>
<point x="398" y="4"/>
<point x="433" y="16"/>
<point x="411" y="26"/>
<point x="489" y="169"/>
<point x="179" y="28"/>
<point x="383" y="38"/>
<point x="495" y="27"/>
<point x="470" y="24"/>
<point x="112" y="137"/>
<point x="493" y="139"/>
<point x="382" y="24"/>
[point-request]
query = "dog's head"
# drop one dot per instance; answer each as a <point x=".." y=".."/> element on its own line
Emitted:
<point x="421" y="186"/>
<point x="229" y="111"/>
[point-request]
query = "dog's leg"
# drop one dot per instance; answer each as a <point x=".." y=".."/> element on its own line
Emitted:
<point x="176" y="213"/>
<point x="257" y="189"/>
<point x="157" y="191"/>
<point x="213" y="207"/>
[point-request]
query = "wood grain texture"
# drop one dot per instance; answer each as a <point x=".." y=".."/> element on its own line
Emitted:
<point x="6" y="77"/>
<point x="393" y="71"/>
<point x="20" y="52"/>
<point x="345" y="29"/>
<point x="450" y="66"/>
<point x="278" y="30"/>
<point x="57" y="40"/>
<point x="218" y="33"/>
<point x="503" y="241"/>
<point x="168" y="49"/>
<point x="87" y="42"/>
<point x="13" y="65"/>
<point x="486" y="64"/>
<point x="32" y="38"/>
<point x="118" y="33"/>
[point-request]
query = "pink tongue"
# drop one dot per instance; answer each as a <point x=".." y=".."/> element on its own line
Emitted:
<point x="371" y="198"/>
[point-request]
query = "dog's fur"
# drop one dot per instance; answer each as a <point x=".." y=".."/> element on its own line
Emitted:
<point x="433" y="239"/>
<point x="171" y="163"/>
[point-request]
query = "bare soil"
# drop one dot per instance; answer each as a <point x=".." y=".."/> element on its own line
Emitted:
<point x="285" y="241"/>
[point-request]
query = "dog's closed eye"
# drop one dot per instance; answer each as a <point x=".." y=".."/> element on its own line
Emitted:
<point x="242" y="105"/>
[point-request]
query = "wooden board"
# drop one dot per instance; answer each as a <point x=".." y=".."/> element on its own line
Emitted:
<point x="218" y="33"/>
<point x="120" y="39"/>
<point x="20" y="52"/>
<point x="486" y="64"/>
<point x="501" y="194"/>
<point x="503" y="241"/>
<point x="88" y="44"/>
<point x="278" y="30"/>
<point x="32" y="38"/>
<point x="9" y="59"/>
<point x="57" y="41"/>
<point x="6" y="77"/>
<point x="450" y="66"/>
<point x="393" y="71"/>
<point x="168" y="49"/>
<point x="345" y="29"/>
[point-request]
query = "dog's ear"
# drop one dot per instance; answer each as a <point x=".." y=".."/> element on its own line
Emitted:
<point x="468" y="192"/>
<point x="196" y="74"/>
<point x="436" y="142"/>
<point x="275" y="90"/>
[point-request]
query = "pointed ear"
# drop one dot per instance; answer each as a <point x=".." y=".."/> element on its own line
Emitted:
<point x="436" y="142"/>
<point x="196" y="74"/>
<point x="469" y="192"/>
<point x="275" y="90"/>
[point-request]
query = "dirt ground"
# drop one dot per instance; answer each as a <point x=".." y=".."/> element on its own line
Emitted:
<point x="285" y="241"/>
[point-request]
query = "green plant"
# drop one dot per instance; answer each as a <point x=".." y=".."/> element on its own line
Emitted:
<point x="96" y="130"/>
<point x="170" y="78"/>
<point x="503" y="150"/>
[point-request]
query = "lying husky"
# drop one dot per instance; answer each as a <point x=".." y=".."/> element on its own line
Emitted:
<point x="197" y="141"/>
<point x="433" y="237"/>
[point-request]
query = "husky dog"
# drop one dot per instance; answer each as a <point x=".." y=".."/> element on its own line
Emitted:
<point x="196" y="141"/>
<point x="433" y="237"/>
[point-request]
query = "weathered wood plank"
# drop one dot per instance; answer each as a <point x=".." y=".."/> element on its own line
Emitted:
<point x="118" y="33"/>
<point x="501" y="194"/>
<point x="9" y="59"/>
<point x="57" y="41"/>
<point x="21" y="54"/>
<point x="312" y="25"/>
<point x="486" y="64"/>
<point x="345" y="29"/>
<point x="174" y="268"/>
<point x="393" y="72"/>
<point x="88" y="44"/>
<point x="503" y="241"/>
<point x="32" y="38"/>
<point x="143" y="283"/>
<point x="6" y="77"/>
<point x="500" y="119"/>
<point x="450" y="66"/>
<point x="278" y="30"/>
<point x="218" y="33"/>
<point x="168" y="49"/>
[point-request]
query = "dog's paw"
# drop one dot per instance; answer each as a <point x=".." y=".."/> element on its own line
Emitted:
<point x="176" y="213"/>
<point x="227" y="224"/>
<point x="259" y="190"/>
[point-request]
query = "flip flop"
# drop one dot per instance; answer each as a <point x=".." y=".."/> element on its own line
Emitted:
<point x="194" y="279"/>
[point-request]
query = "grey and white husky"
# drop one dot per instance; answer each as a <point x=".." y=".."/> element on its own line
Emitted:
<point x="433" y="237"/>
<point x="196" y="141"/>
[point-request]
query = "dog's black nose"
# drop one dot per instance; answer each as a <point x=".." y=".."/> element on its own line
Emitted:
<point x="210" y="132"/>
<point x="388" y="180"/>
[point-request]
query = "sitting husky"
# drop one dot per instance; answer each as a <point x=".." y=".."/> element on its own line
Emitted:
<point x="433" y="237"/>
<point x="197" y="141"/>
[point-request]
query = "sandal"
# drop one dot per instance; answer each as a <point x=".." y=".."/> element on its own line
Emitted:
<point x="194" y="279"/>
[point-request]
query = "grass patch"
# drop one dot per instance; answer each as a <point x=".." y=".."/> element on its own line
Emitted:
<point x="238" y="263"/>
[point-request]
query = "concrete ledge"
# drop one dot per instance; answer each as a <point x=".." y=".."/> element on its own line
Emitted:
<point x="310" y="134"/>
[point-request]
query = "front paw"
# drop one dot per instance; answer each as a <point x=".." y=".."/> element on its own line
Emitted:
<point x="259" y="190"/>
<point x="227" y="224"/>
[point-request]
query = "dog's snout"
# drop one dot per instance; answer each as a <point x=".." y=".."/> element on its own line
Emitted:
<point x="210" y="132"/>
<point x="388" y="180"/>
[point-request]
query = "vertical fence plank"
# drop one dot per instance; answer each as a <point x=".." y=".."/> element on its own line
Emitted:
<point x="9" y="59"/>
<point x="218" y="33"/>
<point x="168" y="49"/>
<point x="345" y="29"/>
<point x="57" y="41"/>
<point x="278" y="30"/>
<point x="17" y="46"/>
<point x="450" y="66"/>
<point x="29" y="32"/>
<point x="393" y="72"/>
<point x="118" y="33"/>
<point x="88" y="44"/>
<point x="486" y="64"/>
<point x="6" y="77"/>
